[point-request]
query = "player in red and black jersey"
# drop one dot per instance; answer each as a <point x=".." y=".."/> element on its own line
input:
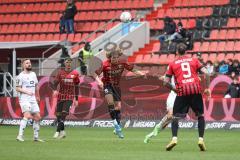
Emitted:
<point x="66" y="90"/>
<point x="112" y="70"/>
<point x="185" y="71"/>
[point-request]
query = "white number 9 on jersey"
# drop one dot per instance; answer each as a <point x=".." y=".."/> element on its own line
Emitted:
<point x="186" y="68"/>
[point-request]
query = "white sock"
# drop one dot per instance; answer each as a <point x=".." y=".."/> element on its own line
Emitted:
<point x="200" y="138"/>
<point x="22" y="126"/>
<point x="36" y="128"/>
<point x="174" y="138"/>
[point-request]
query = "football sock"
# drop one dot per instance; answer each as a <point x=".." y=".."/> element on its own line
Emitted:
<point x="174" y="127"/>
<point x="118" y="116"/>
<point x="36" y="128"/>
<point x="112" y="112"/>
<point x="201" y="126"/>
<point x="23" y="125"/>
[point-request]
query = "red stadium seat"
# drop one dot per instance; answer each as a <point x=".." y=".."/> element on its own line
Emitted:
<point x="42" y="37"/>
<point x="237" y="46"/>
<point x="220" y="57"/>
<point x="222" y="34"/>
<point x="22" y="37"/>
<point x="214" y="34"/>
<point x="15" y="38"/>
<point x="49" y="37"/>
<point x="229" y="56"/>
<point x="139" y="58"/>
<point x="35" y="37"/>
<point x="70" y="37"/>
<point x="221" y="46"/>
<point x="212" y="57"/>
<point x="231" y="23"/>
<point x="238" y="23"/>
<point x="237" y="56"/>
<point x="28" y="38"/>
<point x="229" y="46"/>
<point x="162" y="59"/>
<point x="197" y="46"/>
<point x="205" y="46"/>
<point x="205" y="57"/>
<point x="213" y="47"/>
<point x="230" y="34"/>
<point x="237" y="34"/>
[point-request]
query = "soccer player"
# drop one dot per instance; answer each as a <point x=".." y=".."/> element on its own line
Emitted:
<point x="67" y="80"/>
<point x="112" y="70"/>
<point x="185" y="69"/>
<point x="26" y="85"/>
<point x="168" y="117"/>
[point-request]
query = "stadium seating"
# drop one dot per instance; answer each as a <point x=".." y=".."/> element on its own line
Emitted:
<point x="224" y="27"/>
<point x="29" y="18"/>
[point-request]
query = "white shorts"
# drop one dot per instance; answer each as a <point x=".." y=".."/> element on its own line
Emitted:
<point x="29" y="106"/>
<point x="170" y="100"/>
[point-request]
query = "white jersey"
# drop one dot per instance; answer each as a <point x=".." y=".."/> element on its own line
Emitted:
<point x="27" y="81"/>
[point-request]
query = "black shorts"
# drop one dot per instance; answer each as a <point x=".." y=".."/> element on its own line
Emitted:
<point x="115" y="91"/>
<point x="63" y="106"/>
<point x="183" y="103"/>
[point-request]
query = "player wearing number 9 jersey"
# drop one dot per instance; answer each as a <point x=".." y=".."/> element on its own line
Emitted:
<point x="185" y="70"/>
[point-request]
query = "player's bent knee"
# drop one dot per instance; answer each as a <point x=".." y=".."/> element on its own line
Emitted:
<point x="27" y="115"/>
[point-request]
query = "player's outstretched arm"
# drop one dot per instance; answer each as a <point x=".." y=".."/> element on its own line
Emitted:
<point x="139" y="73"/>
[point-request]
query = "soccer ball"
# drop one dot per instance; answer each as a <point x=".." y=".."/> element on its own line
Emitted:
<point x="125" y="17"/>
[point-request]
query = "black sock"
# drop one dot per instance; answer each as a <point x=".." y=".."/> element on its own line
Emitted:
<point x="60" y="126"/>
<point x="112" y="112"/>
<point x="201" y="126"/>
<point x="118" y="116"/>
<point x="174" y="127"/>
<point x="58" y="123"/>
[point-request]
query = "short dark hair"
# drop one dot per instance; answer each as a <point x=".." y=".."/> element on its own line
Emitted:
<point x="181" y="48"/>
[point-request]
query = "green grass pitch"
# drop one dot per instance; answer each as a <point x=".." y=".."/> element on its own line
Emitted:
<point x="102" y="144"/>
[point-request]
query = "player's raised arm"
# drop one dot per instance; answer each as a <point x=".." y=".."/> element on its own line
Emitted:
<point x="96" y="76"/>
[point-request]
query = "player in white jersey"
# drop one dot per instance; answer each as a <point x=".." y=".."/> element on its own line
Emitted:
<point x="168" y="117"/>
<point x="26" y="85"/>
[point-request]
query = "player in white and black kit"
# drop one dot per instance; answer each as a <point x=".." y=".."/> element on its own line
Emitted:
<point x="168" y="117"/>
<point x="26" y="85"/>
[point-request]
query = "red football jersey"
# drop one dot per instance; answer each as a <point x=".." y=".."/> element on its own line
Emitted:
<point x="185" y="72"/>
<point x="67" y="82"/>
<point x="112" y="72"/>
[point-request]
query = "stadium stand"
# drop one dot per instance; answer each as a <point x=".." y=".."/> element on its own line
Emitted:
<point x="213" y="24"/>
